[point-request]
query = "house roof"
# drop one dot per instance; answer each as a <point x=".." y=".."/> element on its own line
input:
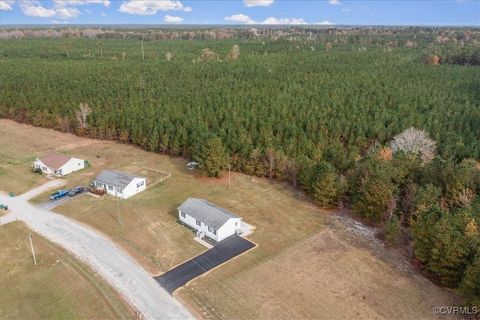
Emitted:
<point x="207" y="212"/>
<point x="115" y="178"/>
<point x="55" y="161"/>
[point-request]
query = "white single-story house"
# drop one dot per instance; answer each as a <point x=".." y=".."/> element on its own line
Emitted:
<point x="119" y="184"/>
<point x="207" y="219"/>
<point x="58" y="164"/>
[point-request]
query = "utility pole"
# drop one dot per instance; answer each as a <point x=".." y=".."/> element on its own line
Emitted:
<point x="229" y="176"/>
<point x="33" y="251"/>
<point x="143" y="52"/>
<point x="119" y="221"/>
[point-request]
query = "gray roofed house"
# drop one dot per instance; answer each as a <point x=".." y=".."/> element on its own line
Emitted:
<point x="115" y="178"/>
<point x="119" y="183"/>
<point x="208" y="218"/>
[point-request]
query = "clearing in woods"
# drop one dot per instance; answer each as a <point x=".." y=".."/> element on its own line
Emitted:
<point x="307" y="263"/>
<point x="58" y="287"/>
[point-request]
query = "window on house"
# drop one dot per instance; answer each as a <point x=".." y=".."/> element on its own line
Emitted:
<point x="210" y="229"/>
<point x="214" y="232"/>
<point x="182" y="214"/>
<point x="199" y="223"/>
<point x="119" y="190"/>
<point x="140" y="184"/>
<point x="110" y="188"/>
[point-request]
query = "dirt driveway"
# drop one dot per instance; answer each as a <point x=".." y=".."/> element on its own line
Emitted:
<point x="113" y="264"/>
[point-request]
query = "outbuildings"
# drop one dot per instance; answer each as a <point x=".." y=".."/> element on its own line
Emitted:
<point x="119" y="184"/>
<point x="208" y="219"/>
<point x="58" y="164"/>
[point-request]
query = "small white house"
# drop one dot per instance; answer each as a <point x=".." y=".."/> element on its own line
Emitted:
<point x="209" y="220"/>
<point x="58" y="164"/>
<point x="119" y="184"/>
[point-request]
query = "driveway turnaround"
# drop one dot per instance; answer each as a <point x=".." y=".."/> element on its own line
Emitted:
<point x="220" y="253"/>
<point x="112" y="263"/>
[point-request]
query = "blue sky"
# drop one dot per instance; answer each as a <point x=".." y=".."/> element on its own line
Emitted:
<point x="341" y="12"/>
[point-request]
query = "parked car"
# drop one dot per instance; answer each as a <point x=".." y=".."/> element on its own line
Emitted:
<point x="58" y="194"/>
<point x="76" y="190"/>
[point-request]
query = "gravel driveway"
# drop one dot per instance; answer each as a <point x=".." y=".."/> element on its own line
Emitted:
<point x="112" y="263"/>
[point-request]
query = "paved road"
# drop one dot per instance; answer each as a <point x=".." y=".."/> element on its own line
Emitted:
<point x="112" y="263"/>
<point x="220" y="253"/>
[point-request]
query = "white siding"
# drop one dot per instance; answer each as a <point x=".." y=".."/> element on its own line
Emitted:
<point x="40" y="165"/>
<point x="72" y="165"/>
<point x="228" y="228"/>
<point x="223" y="232"/>
<point x="135" y="186"/>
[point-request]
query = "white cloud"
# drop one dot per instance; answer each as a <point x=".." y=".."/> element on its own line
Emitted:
<point x="34" y="9"/>
<point x="273" y="20"/>
<point x="257" y="3"/>
<point x="103" y="14"/>
<point x="188" y="9"/>
<point x="64" y="9"/>
<point x="325" y="23"/>
<point x="149" y="7"/>
<point x="240" y="18"/>
<point x="6" y="5"/>
<point x="67" y="12"/>
<point x="244" y="19"/>
<point x="172" y="19"/>
<point x="334" y="2"/>
<point x="106" y="3"/>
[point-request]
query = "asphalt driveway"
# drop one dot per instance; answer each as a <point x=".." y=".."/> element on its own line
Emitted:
<point x="220" y="253"/>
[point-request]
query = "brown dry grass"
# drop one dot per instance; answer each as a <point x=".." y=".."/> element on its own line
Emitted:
<point x="58" y="287"/>
<point x="330" y="275"/>
<point x="304" y="265"/>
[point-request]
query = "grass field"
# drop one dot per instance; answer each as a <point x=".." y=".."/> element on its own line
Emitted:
<point x="306" y="265"/>
<point x="58" y="287"/>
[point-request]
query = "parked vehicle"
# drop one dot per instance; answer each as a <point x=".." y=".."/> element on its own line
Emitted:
<point x="58" y="194"/>
<point x="3" y="207"/>
<point x="76" y="190"/>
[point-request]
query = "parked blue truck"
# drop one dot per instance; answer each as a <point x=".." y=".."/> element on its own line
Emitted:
<point x="58" y="194"/>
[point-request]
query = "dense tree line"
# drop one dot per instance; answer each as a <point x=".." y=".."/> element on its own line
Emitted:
<point x="321" y="115"/>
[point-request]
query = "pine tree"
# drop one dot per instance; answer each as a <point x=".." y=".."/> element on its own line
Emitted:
<point x="153" y="139"/>
<point x="372" y="201"/>
<point x="211" y="155"/>
<point x="470" y="285"/>
<point x="324" y="185"/>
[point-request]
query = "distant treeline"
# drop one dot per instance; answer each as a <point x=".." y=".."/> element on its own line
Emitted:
<point x="319" y="115"/>
<point x="397" y="36"/>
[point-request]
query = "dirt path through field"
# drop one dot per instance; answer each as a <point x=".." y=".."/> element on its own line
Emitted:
<point x="112" y="263"/>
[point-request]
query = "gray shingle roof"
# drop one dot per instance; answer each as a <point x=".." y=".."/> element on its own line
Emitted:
<point x="115" y="178"/>
<point x="207" y="212"/>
